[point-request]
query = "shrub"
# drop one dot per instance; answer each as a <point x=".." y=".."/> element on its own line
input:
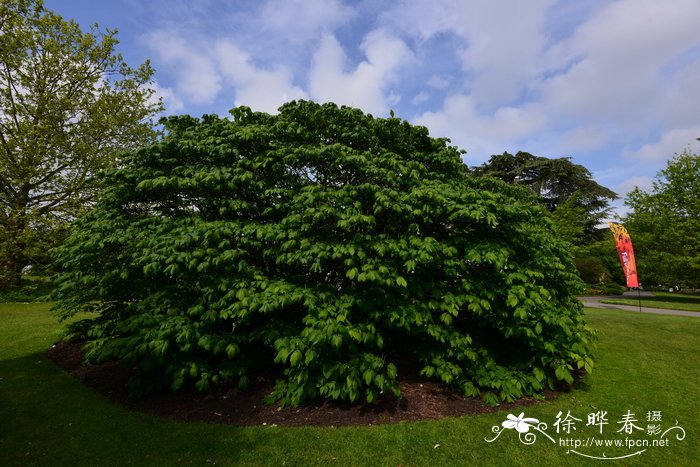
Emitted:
<point x="336" y="246"/>
<point x="612" y="289"/>
<point x="592" y="270"/>
<point x="31" y="289"/>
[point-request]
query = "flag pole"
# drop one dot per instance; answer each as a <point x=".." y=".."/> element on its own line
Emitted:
<point x="639" y="297"/>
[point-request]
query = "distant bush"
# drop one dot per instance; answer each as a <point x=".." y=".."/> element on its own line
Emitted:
<point x="31" y="289"/>
<point x="613" y="289"/>
<point x="592" y="270"/>
<point x="330" y="244"/>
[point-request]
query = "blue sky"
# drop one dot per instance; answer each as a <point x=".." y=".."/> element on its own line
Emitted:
<point x="615" y="85"/>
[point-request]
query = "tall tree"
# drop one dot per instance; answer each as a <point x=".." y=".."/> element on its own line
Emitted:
<point x="664" y="224"/>
<point x="559" y="184"/>
<point x="69" y="104"/>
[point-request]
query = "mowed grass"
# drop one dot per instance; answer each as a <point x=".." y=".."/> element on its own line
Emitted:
<point x="644" y="363"/>
<point x="670" y="301"/>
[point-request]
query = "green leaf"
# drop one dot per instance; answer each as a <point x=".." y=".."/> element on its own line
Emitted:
<point x="539" y="374"/>
<point x="231" y="350"/>
<point x="391" y="371"/>
<point x="562" y="373"/>
<point x="337" y="341"/>
<point x="295" y="357"/>
<point x="355" y="334"/>
<point x="491" y="399"/>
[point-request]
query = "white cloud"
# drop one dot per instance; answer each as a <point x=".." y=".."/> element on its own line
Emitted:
<point x="501" y="41"/>
<point x="619" y="76"/>
<point x="438" y="82"/>
<point x="618" y="56"/>
<point x="584" y="138"/>
<point x="616" y="83"/>
<point x="203" y="73"/>
<point x="196" y="77"/>
<point x="420" y="98"/>
<point x="671" y="143"/>
<point x="426" y="18"/>
<point x="681" y="94"/>
<point x="301" y="20"/>
<point x="504" y="49"/>
<point x="637" y="32"/>
<point x="480" y="134"/>
<point x="173" y="104"/>
<point x="642" y="182"/>
<point x="366" y="86"/>
<point x="261" y="89"/>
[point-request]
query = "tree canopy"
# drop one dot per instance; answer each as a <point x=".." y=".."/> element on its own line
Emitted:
<point x="69" y="104"/>
<point x="664" y="224"/>
<point x="336" y="248"/>
<point x="560" y="185"/>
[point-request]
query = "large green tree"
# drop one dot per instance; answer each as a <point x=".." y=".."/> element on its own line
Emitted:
<point x="69" y="104"/>
<point x="577" y="202"/>
<point x="664" y="224"/>
<point x="339" y="248"/>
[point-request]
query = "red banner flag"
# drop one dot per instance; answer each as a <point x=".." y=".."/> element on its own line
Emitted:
<point x="626" y="254"/>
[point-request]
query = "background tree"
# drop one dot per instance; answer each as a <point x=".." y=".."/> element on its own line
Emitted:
<point x="335" y="247"/>
<point x="559" y="184"/>
<point x="664" y="225"/>
<point x="599" y="266"/>
<point x="69" y="105"/>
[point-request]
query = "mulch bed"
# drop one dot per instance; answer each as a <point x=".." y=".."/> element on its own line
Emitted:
<point x="420" y="399"/>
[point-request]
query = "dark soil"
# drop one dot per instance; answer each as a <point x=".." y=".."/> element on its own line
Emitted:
<point x="420" y="399"/>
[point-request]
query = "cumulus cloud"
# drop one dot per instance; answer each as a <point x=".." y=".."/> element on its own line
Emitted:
<point x="504" y="49"/>
<point x="482" y="135"/>
<point x="671" y="143"/>
<point x="602" y="81"/>
<point x="201" y="74"/>
<point x="642" y="182"/>
<point x="438" y="82"/>
<point x="681" y="93"/>
<point x="501" y="41"/>
<point x="620" y="53"/>
<point x="302" y="20"/>
<point x="171" y="101"/>
<point x="420" y="98"/>
<point x="196" y="77"/>
<point x="623" y="71"/>
<point x="261" y="89"/>
<point x="457" y="120"/>
<point x="366" y="86"/>
<point x="584" y="138"/>
<point x="426" y="18"/>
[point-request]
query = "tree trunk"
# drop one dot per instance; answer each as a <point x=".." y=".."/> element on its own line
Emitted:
<point x="12" y="257"/>
<point x="10" y="273"/>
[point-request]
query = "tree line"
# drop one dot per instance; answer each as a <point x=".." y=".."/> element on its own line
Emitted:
<point x="662" y="221"/>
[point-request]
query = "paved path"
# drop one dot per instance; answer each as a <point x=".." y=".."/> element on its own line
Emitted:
<point x="594" y="302"/>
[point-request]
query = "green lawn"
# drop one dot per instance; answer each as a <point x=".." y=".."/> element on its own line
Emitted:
<point x="671" y="301"/>
<point x="645" y="363"/>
